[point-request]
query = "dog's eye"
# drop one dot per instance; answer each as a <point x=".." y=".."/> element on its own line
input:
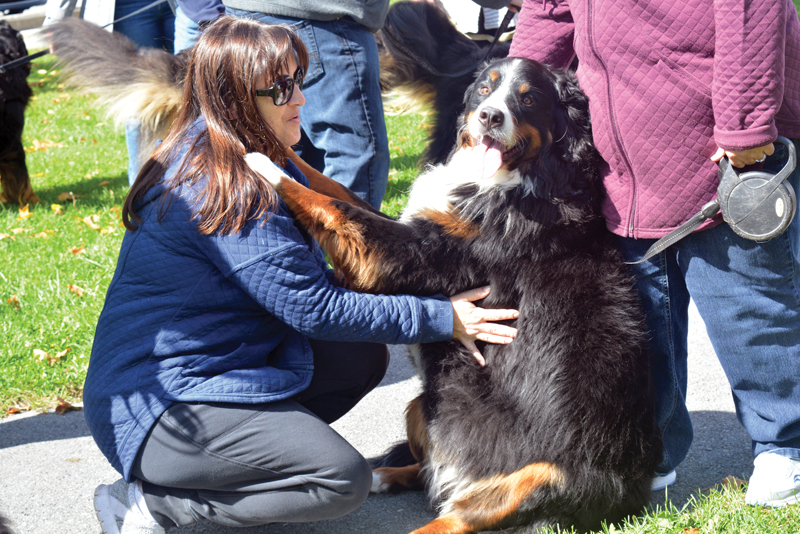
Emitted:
<point x="483" y="90"/>
<point x="527" y="100"/>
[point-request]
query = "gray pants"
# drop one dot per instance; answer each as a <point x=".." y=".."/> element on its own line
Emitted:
<point x="244" y="465"/>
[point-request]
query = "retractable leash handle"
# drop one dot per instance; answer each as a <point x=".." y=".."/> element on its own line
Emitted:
<point x="757" y="205"/>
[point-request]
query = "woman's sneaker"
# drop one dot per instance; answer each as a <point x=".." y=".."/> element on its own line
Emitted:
<point x="118" y="513"/>
<point x="662" y="481"/>
<point x="776" y="479"/>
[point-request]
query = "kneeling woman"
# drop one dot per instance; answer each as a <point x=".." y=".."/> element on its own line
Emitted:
<point x="226" y="346"/>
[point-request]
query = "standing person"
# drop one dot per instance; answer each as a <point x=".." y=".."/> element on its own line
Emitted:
<point x="155" y="28"/>
<point x="672" y="89"/>
<point x="191" y="16"/>
<point x="344" y="131"/>
<point x="226" y="346"/>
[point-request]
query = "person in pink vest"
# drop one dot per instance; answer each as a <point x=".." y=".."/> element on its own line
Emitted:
<point x="674" y="88"/>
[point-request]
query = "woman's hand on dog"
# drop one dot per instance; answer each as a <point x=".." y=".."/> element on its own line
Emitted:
<point x="471" y="322"/>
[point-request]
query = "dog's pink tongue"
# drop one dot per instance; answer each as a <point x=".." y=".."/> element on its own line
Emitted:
<point x="487" y="157"/>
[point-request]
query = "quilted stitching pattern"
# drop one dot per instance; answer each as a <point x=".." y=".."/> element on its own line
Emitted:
<point x="223" y="319"/>
<point x="671" y="82"/>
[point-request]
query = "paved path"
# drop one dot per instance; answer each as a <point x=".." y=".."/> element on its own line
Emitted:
<point x="49" y="465"/>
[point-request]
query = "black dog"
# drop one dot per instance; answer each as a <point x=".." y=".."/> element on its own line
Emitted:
<point x="14" y="96"/>
<point x="425" y="57"/>
<point x="559" y="426"/>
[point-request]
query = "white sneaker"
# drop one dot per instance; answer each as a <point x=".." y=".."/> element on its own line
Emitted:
<point x="776" y="479"/>
<point x="118" y="513"/>
<point x="662" y="481"/>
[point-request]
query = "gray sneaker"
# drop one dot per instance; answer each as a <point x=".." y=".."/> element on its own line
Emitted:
<point x="116" y="510"/>
<point x="775" y="480"/>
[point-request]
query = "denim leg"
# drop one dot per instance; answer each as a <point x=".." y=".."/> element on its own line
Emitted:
<point x="748" y="295"/>
<point x="343" y="124"/>
<point x="187" y="31"/>
<point x="154" y="27"/>
<point x="666" y="303"/>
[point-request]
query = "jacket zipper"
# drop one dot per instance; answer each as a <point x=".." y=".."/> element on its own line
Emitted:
<point x="612" y="116"/>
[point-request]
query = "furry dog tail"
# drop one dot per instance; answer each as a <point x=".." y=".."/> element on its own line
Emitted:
<point x="144" y="84"/>
<point x="427" y="63"/>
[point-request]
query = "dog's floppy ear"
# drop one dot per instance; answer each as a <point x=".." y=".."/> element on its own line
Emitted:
<point x="569" y="162"/>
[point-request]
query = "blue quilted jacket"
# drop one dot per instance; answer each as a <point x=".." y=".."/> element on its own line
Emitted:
<point x="224" y="318"/>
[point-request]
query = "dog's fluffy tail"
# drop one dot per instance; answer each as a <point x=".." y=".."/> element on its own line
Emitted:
<point x="144" y="84"/>
<point x="399" y="455"/>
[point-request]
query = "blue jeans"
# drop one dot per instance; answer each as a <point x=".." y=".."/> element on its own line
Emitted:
<point x="344" y="132"/>
<point x="153" y="28"/>
<point x="187" y="31"/>
<point x="748" y="295"/>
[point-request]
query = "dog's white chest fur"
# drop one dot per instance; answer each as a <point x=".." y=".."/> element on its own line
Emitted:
<point x="431" y="190"/>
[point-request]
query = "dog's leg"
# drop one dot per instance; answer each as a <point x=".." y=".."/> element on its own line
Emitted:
<point x="487" y="503"/>
<point x="394" y="479"/>
<point x="328" y="186"/>
<point x="357" y="240"/>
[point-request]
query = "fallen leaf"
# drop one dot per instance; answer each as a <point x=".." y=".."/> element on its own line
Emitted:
<point x="63" y="197"/>
<point x="63" y="407"/>
<point x="91" y="221"/>
<point x="50" y="358"/>
<point x="4" y="236"/>
<point x="691" y="531"/>
<point x="77" y="250"/>
<point x="104" y="183"/>
<point x="75" y="289"/>
<point x="17" y="231"/>
<point x="12" y="411"/>
<point x="24" y="213"/>
<point x="58" y="209"/>
<point x="14" y="301"/>
<point x="41" y="234"/>
<point x="42" y="355"/>
<point x="733" y="482"/>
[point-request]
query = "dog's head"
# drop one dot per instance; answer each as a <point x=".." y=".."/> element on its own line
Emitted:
<point x="526" y="124"/>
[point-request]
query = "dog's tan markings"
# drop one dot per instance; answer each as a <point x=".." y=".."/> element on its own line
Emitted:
<point x="524" y="88"/>
<point x="340" y="237"/>
<point x="398" y="478"/>
<point x="493" y="75"/>
<point x="534" y="138"/>
<point x="320" y="183"/>
<point x="451" y="223"/>
<point x="491" y="500"/>
<point x="446" y="524"/>
<point x="416" y="429"/>
<point x="465" y="140"/>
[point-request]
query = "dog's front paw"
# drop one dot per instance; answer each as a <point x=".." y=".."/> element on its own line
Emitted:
<point x="265" y="167"/>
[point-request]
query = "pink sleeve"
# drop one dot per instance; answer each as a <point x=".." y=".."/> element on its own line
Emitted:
<point x="747" y="90"/>
<point x="544" y="33"/>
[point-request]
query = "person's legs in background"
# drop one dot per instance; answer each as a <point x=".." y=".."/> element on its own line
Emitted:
<point x="154" y="27"/>
<point x="344" y="131"/>
<point x="187" y="31"/>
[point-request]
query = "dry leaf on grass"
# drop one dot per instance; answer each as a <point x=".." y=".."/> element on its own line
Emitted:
<point x="50" y="358"/>
<point x="58" y="209"/>
<point x="75" y="289"/>
<point x="24" y="212"/>
<point x="77" y="250"/>
<point x="4" y="236"/>
<point x="691" y="531"/>
<point x="91" y="221"/>
<point x="17" y="231"/>
<point x="63" y="407"/>
<point x="104" y="183"/>
<point x="14" y="301"/>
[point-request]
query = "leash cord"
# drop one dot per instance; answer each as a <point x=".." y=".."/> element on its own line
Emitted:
<point x="30" y="57"/>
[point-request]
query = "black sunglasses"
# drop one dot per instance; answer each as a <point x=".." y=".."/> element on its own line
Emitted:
<point x="283" y="88"/>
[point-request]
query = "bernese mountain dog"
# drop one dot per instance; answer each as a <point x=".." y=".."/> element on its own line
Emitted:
<point x="14" y="96"/>
<point x="558" y="427"/>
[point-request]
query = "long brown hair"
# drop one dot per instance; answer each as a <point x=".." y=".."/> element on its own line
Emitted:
<point x="230" y="57"/>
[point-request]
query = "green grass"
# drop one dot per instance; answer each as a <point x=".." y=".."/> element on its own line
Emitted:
<point x="41" y="318"/>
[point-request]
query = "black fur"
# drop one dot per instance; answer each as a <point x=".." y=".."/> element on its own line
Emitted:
<point x="573" y="389"/>
<point x="14" y="96"/>
<point x="423" y="52"/>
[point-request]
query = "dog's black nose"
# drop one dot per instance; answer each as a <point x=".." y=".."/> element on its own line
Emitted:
<point x="491" y="118"/>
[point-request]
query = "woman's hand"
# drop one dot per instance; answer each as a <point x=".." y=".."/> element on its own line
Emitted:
<point x="740" y="158"/>
<point x="471" y="323"/>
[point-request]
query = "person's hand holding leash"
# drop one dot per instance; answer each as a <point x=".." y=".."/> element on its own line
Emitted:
<point x="471" y="322"/>
<point x="740" y="158"/>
